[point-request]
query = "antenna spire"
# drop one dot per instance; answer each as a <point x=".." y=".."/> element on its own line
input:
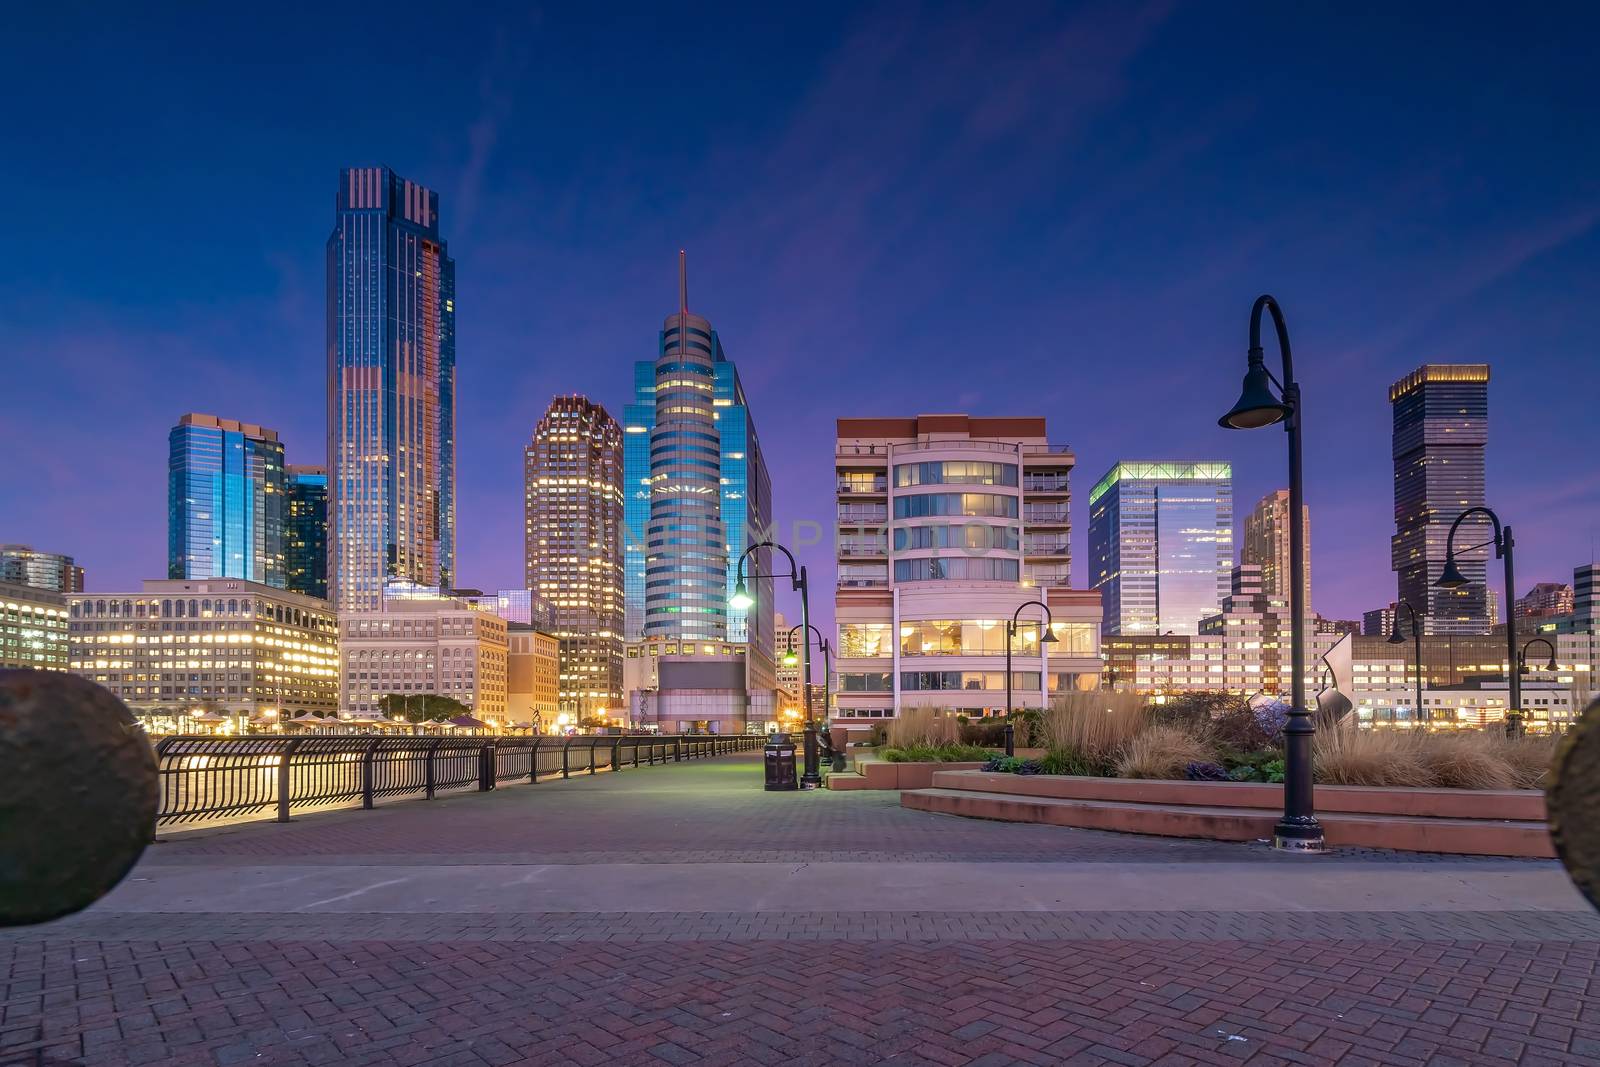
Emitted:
<point x="683" y="282"/>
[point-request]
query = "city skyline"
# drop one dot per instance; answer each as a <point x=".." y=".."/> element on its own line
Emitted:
<point x="139" y="347"/>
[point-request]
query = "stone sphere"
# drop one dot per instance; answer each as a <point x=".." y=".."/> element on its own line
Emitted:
<point x="1573" y="801"/>
<point x="77" y="794"/>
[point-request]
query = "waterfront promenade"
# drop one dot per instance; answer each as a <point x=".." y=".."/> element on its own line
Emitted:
<point x="686" y="917"/>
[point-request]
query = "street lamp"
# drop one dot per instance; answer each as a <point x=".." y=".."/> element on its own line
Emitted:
<point x="1522" y="656"/>
<point x="743" y="599"/>
<point x="827" y="664"/>
<point x="1396" y="638"/>
<point x="1045" y="638"/>
<point x="1258" y="406"/>
<point x="1452" y="578"/>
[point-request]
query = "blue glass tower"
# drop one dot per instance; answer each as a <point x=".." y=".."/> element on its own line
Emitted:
<point x="305" y="531"/>
<point x="638" y="420"/>
<point x="225" y="501"/>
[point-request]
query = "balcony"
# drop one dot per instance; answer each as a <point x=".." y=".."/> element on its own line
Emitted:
<point x="872" y="486"/>
<point x="1046" y="483"/>
<point x="1046" y="547"/>
<point x="863" y="583"/>
<point x="870" y="549"/>
<point x="1045" y="515"/>
<point x="863" y="514"/>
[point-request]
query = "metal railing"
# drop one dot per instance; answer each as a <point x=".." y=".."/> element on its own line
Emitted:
<point x="233" y="777"/>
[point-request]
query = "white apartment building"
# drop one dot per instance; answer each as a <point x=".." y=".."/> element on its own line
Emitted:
<point x="948" y="525"/>
<point x="678" y="685"/>
<point x="419" y="644"/>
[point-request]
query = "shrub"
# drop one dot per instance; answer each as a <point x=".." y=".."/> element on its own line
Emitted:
<point x="1242" y="730"/>
<point x="984" y="732"/>
<point x="934" y="754"/>
<point x="1205" y="772"/>
<point x="1466" y="761"/>
<point x="1013" y="765"/>
<point x="1161" y="752"/>
<point x="923" y="726"/>
<point x="1348" y="756"/>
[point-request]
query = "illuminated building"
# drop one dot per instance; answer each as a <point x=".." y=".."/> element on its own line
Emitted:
<point x="533" y="676"/>
<point x="305" y="531"/>
<point x="177" y="647"/>
<point x="225" y="501"/>
<point x="1546" y="600"/>
<point x="1161" y="544"/>
<point x="1441" y="427"/>
<point x="682" y="686"/>
<point x="572" y="503"/>
<point x="948" y="524"/>
<point x="33" y="627"/>
<point x="1266" y="544"/>
<point x="419" y="642"/>
<point x="25" y="565"/>
<point x="391" y="390"/>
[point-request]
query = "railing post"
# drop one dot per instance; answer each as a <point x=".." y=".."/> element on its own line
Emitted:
<point x="677" y="749"/>
<point x="284" y="779"/>
<point x="592" y="746"/>
<point x="616" y="747"/>
<point x="533" y="762"/>
<point x="566" y="748"/>
<point x="366" y="773"/>
<point x="636" y="752"/>
<point x="486" y="766"/>
<point x="430" y="779"/>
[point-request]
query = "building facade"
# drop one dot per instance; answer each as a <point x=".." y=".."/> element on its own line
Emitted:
<point x="522" y="606"/>
<point x="676" y="685"/>
<point x="305" y="531"/>
<point x="1266" y="545"/>
<point x="25" y="565"/>
<point x="533" y="676"/>
<point x="421" y="644"/>
<point x="1161" y="544"/>
<point x="225" y="501"/>
<point x="572" y="471"/>
<point x="1441" y="429"/>
<point x="696" y="495"/>
<point x="33" y="627"/>
<point x="947" y="525"/>
<point x="1546" y="600"/>
<point x="391" y="390"/>
<point x="179" y="646"/>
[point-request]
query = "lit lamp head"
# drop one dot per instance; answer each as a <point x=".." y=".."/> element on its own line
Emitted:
<point x="741" y="598"/>
<point x="1257" y="406"/>
<point x="790" y="659"/>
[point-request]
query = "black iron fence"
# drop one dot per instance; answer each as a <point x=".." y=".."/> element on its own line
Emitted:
<point x="230" y="777"/>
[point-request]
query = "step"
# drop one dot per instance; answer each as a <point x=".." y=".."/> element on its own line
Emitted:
<point x="1473" y="837"/>
<point x="1526" y="805"/>
<point x="846" y="780"/>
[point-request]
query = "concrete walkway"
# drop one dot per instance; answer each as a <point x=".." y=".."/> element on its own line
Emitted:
<point x="686" y="916"/>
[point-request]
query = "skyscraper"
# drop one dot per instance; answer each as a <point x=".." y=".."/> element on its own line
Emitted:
<point x="1161" y="544"/>
<point x="1441" y="426"/>
<point x="25" y="565"/>
<point x="1266" y="545"/>
<point x="305" y="531"/>
<point x="573" y="545"/>
<point x="697" y="490"/>
<point x="225" y="501"/>
<point x="391" y="390"/>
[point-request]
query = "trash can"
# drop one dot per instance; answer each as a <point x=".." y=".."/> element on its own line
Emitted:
<point x="780" y="763"/>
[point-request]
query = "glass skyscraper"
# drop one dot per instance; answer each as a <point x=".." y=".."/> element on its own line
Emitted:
<point x="696" y="492"/>
<point x="25" y="565"/>
<point x="225" y="501"/>
<point x="1441" y="427"/>
<point x="305" y="531"/>
<point x="1161" y="545"/>
<point x="391" y="390"/>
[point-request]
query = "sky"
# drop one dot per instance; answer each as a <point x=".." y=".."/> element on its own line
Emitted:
<point x="1019" y="209"/>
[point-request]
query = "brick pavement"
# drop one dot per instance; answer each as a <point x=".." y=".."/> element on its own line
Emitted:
<point x="292" y="985"/>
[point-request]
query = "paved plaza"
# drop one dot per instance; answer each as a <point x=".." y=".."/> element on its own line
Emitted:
<point x="681" y="915"/>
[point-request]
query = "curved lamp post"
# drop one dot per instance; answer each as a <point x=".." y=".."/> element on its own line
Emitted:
<point x="1258" y="406"/>
<point x="1522" y="656"/>
<point x="790" y="659"/>
<point x="742" y="599"/>
<point x="1452" y="578"/>
<point x="1045" y="638"/>
<point x="1396" y="638"/>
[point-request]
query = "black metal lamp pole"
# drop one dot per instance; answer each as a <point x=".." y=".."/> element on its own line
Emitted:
<point x="827" y="663"/>
<point x="1395" y="638"/>
<point x="743" y="599"/>
<point x="1452" y="578"/>
<point x="1522" y="656"/>
<point x="1045" y="638"/>
<point x="1258" y="406"/>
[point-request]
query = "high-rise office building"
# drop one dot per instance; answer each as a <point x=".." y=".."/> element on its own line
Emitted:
<point x="391" y="390"/>
<point x="1161" y="544"/>
<point x="305" y="531"/>
<point x="33" y="627"/>
<point x="1544" y="600"/>
<point x="696" y="495"/>
<point x="572" y="470"/>
<point x="25" y="565"/>
<point x="1266" y="545"/>
<point x="225" y="501"/>
<point x="947" y="526"/>
<point x="1441" y="427"/>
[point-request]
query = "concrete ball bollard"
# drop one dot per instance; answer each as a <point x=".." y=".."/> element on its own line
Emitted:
<point x="1572" y="800"/>
<point x="78" y="794"/>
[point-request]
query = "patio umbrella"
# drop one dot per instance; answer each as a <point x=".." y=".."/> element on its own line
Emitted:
<point x="307" y="719"/>
<point x="469" y="722"/>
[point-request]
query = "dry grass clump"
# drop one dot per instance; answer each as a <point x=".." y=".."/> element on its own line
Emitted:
<point x="1348" y="756"/>
<point x="1528" y="758"/>
<point x="1162" y="752"/>
<point x="1466" y="761"/>
<point x="928" y="727"/>
<point x="1095" y="725"/>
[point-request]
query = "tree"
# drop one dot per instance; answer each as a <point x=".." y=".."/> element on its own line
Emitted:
<point x="422" y="707"/>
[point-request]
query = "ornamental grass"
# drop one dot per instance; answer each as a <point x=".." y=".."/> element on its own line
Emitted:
<point x="1162" y="752"/>
<point x="924" y="727"/>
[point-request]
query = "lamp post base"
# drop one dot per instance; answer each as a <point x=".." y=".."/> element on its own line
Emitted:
<point x="1302" y="836"/>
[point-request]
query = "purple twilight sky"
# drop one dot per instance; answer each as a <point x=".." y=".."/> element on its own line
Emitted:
<point x="1018" y="209"/>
